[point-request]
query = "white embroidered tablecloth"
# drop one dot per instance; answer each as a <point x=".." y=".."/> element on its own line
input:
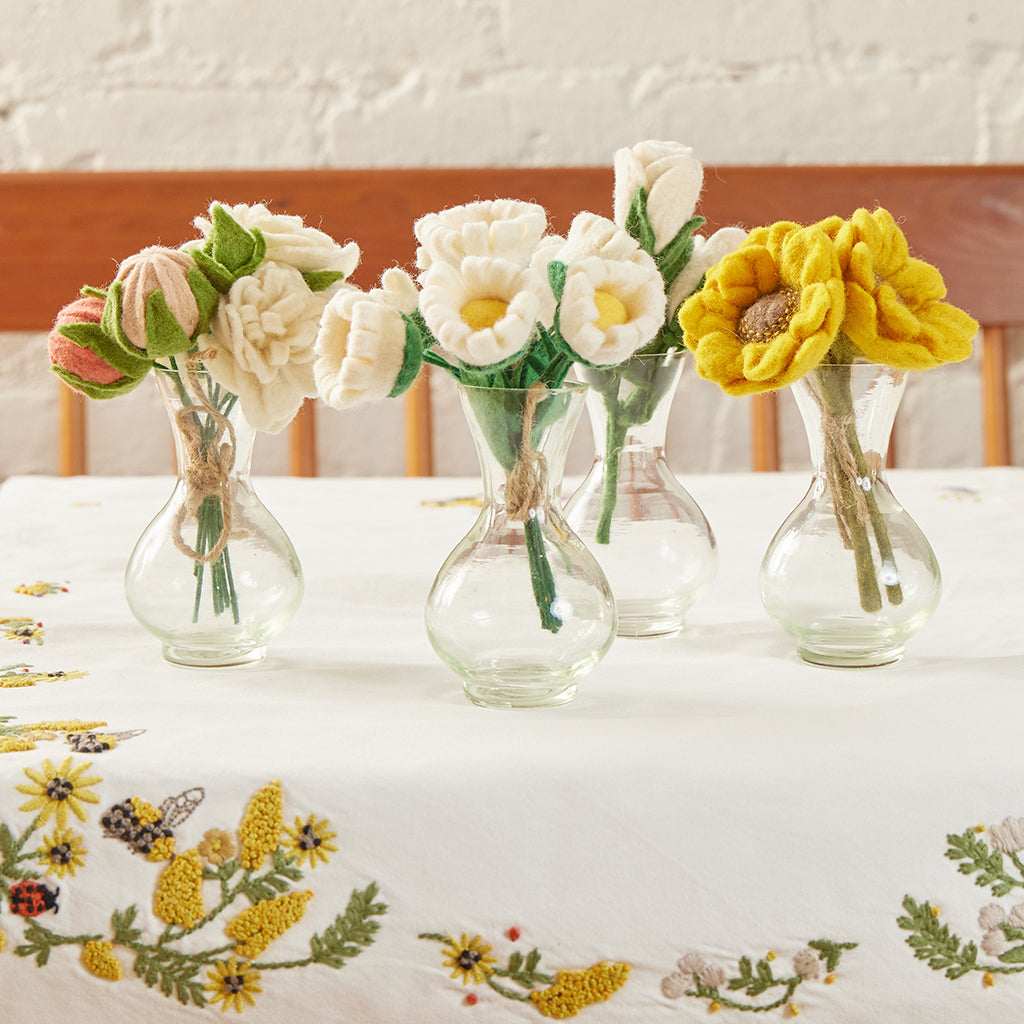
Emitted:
<point x="711" y="825"/>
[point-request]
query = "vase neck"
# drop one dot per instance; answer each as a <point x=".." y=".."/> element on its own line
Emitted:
<point x="629" y="404"/>
<point x="213" y="441"/>
<point x="850" y="408"/>
<point x="522" y="439"/>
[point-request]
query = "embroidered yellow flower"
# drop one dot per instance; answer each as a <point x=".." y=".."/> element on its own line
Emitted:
<point x="232" y="984"/>
<point x="768" y="312"/>
<point x="469" y="959"/>
<point x="573" y="990"/>
<point x="894" y="309"/>
<point x="99" y="960"/>
<point x="62" y="852"/>
<point x="55" y="790"/>
<point x="217" y="846"/>
<point x="256" y="927"/>
<point x="179" y="891"/>
<point x="15" y="744"/>
<point x="311" y="840"/>
<point x="261" y="826"/>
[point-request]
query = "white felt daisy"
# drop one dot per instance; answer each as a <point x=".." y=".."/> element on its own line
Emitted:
<point x="290" y="241"/>
<point x="361" y="344"/>
<point x="591" y="235"/>
<point x="263" y="332"/>
<point x="508" y="228"/>
<point x="673" y="178"/>
<point x="610" y="308"/>
<point x="485" y="311"/>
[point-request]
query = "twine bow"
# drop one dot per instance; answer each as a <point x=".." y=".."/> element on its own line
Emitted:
<point x="842" y="466"/>
<point x="207" y="469"/>
<point x="526" y="484"/>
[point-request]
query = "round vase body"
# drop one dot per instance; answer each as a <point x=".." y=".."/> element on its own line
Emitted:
<point x="849" y="575"/>
<point x="213" y="576"/>
<point x="521" y="609"/>
<point x="651" y="538"/>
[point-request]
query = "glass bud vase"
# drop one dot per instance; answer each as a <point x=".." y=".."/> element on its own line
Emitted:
<point x="520" y="609"/>
<point x="649" y="535"/>
<point x="213" y="576"/>
<point x="849" y="574"/>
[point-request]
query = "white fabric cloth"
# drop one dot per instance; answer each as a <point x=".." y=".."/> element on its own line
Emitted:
<point x="709" y="794"/>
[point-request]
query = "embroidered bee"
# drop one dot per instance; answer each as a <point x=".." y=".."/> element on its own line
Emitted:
<point x="98" y="742"/>
<point x="30" y="898"/>
<point x="142" y="826"/>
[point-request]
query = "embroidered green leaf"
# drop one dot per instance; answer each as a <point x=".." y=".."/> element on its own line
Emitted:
<point x="351" y="932"/>
<point x="830" y="952"/>
<point x="932" y="940"/>
<point x="523" y="970"/>
<point x="121" y="925"/>
<point x="171" y="972"/>
<point x="274" y="882"/>
<point x="977" y="859"/>
<point x="1013" y="956"/>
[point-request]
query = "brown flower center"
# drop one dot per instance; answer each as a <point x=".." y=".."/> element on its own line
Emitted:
<point x="769" y="316"/>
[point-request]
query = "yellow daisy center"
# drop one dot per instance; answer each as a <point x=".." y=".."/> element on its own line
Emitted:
<point x="769" y="316"/>
<point x="610" y="311"/>
<point x="481" y="314"/>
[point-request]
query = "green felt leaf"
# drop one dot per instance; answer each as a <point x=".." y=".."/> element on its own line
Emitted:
<point x="556" y="278"/>
<point x="206" y="296"/>
<point x="638" y="222"/>
<point x="96" y="340"/>
<point x="318" y="280"/>
<point x="164" y="335"/>
<point x="92" y="390"/>
<point x="412" y="360"/>
<point x="674" y="257"/>
<point x="218" y="276"/>
<point x="229" y="243"/>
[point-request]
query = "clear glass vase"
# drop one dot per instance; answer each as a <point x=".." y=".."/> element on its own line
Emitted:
<point x="849" y="574"/>
<point x="213" y="576"/>
<point x="521" y="609"/>
<point x="649" y="535"/>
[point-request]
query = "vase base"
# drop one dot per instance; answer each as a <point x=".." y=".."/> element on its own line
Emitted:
<point x="506" y="696"/>
<point x="649" y="629"/>
<point x="213" y="657"/>
<point x="850" y="657"/>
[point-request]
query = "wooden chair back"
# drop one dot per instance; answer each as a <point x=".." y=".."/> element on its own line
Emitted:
<point x="60" y="230"/>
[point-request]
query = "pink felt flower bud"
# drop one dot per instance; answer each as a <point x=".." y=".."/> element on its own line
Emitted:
<point x="152" y="269"/>
<point x="75" y="359"/>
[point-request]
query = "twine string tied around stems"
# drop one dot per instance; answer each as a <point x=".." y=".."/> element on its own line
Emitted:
<point x="526" y="484"/>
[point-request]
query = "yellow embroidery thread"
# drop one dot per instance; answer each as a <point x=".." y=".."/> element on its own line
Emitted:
<point x="179" y="892"/>
<point x="257" y="927"/>
<point x="261" y="826"/>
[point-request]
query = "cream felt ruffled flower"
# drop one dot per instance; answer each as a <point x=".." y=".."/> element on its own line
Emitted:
<point x="485" y="311"/>
<point x="508" y="228"/>
<point x="263" y="333"/>
<point x="672" y="177"/>
<point x="361" y="344"/>
<point x="706" y="253"/>
<point x="289" y="241"/>
<point x="593" y="235"/>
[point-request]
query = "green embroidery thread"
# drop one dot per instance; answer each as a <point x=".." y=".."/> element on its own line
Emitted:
<point x="996" y="866"/>
<point x="699" y="977"/>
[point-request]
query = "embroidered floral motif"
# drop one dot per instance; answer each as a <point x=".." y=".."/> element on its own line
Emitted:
<point x="25" y="631"/>
<point x="55" y="790"/>
<point x="700" y="977"/>
<point x="562" y="996"/>
<point x="261" y="826"/>
<point x="99" y="960"/>
<point x="311" y="840"/>
<point x="232" y="984"/>
<point x="201" y="973"/>
<point x="41" y="589"/>
<point x="62" y="852"/>
<point x="24" y="737"/>
<point x="996" y="866"/>
<point x="217" y="846"/>
<point x="21" y="675"/>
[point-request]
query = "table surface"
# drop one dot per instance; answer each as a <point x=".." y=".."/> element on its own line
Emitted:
<point x="705" y="796"/>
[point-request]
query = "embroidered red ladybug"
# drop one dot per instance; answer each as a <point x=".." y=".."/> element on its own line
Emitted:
<point x="30" y="898"/>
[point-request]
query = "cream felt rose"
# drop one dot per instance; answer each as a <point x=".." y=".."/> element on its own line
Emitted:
<point x="289" y="241"/>
<point x="508" y="228"/>
<point x="263" y="333"/>
<point x="485" y="312"/>
<point x="672" y="177"/>
<point x="362" y="350"/>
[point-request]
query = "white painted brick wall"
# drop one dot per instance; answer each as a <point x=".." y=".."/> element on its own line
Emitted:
<point x="144" y="84"/>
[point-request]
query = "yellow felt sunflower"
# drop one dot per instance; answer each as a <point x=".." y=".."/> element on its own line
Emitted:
<point x="768" y="312"/>
<point x="894" y="309"/>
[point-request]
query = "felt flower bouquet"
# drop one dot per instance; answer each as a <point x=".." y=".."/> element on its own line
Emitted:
<point x="811" y="302"/>
<point x="503" y="306"/>
<point x="227" y="320"/>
